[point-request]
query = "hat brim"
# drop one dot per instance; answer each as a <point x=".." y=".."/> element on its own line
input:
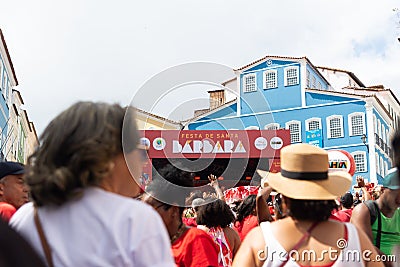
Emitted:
<point x="19" y="172"/>
<point x="336" y="185"/>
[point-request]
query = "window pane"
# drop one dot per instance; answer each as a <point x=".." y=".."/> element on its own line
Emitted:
<point x="360" y="162"/>
<point x="273" y="126"/>
<point x="313" y="125"/>
<point x="291" y="76"/>
<point x="270" y="79"/>
<point x="335" y="127"/>
<point x="250" y="83"/>
<point x="357" y="125"/>
<point x="294" y="133"/>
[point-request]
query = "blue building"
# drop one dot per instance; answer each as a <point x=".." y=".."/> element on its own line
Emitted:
<point x="291" y="93"/>
<point x="8" y="80"/>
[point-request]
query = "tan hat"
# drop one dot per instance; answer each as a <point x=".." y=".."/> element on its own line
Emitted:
<point x="304" y="175"/>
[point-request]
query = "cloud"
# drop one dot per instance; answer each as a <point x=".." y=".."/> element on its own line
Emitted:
<point x="65" y="51"/>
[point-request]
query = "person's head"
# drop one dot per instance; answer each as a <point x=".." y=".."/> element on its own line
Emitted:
<point x="347" y="200"/>
<point x="390" y="197"/>
<point x="197" y="203"/>
<point x="88" y="144"/>
<point x="13" y="188"/>
<point x="396" y="149"/>
<point x="308" y="188"/>
<point x="309" y="210"/>
<point x="246" y="208"/>
<point x="166" y="196"/>
<point x="215" y="214"/>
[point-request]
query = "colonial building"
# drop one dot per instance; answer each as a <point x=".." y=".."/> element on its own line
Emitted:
<point x="148" y="121"/>
<point x="18" y="135"/>
<point x="328" y="107"/>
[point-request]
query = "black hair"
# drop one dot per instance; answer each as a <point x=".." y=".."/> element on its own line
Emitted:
<point x="396" y="149"/>
<point x="246" y="207"/>
<point x="347" y="200"/>
<point x="235" y="205"/>
<point x="313" y="210"/>
<point x="214" y="214"/>
<point x="167" y="186"/>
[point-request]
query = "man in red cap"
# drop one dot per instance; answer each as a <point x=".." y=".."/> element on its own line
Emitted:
<point x="13" y="190"/>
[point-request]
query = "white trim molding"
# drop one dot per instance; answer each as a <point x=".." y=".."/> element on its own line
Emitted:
<point x="252" y="128"/>
<point x="363" y="164"/>
<point x="350" y="123"/>
<point x="286" y="77"/>
<point x="295" y="137"/>
<point x="308" y="121"/>
<point x="273" y="79"/>
<point x="272" y="126"/>
<point x="328" y="125"/>
<point x="252" y="87"/>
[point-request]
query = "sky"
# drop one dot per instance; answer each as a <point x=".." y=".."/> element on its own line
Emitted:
<point x="97" y="50"/>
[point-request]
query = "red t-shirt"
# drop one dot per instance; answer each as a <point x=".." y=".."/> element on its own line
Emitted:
<point x="195" y="248"/>
<point x="244" y="227"/>
<point x="6" y="211"/>
<point x="343" y="215"/>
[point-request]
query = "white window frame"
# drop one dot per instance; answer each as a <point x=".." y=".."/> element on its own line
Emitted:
<point x="382" y="170"/>
<point x="375" y="124"/>
<point x="1" y="74"/>
<point x="245" y="83"/>
<point x="308" y="121"/>
<point x="350" y="116"/>
<point x="328" y="125"/>
<point x="379" y="128"/>
<point x="383" y="132"/>
<point x="5" y="79"/>
<point x="313" y="82"/>
<point x="275" y="74"/>
<point x="364" y="154"/>
<point x="251" y="127"/>
<point x="272" y="125"/>
<point x="286" y="70"/>
<point x="386" y="167"/>
<point x="377" y="165"/>
<point x="287" y="125"/>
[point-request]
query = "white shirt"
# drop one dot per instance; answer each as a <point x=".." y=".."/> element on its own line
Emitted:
<point x="276" y="254"/>
<point x="99" y="229"/>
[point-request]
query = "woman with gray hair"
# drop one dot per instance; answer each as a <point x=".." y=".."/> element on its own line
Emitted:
<point x="82" y="181"/>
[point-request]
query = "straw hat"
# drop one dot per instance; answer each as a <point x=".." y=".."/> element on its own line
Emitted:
<point x="304" y="175"/>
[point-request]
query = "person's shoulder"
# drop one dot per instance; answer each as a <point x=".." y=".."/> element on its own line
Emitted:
<point x="256" y="233"/>
<point x="119" y="204"/>
<point x="22" y="214"/>
<point x="4" y="206"/>
<point x="140" y="210"/>
<point x="194" y="231"/>
<point x="360" y="210"/>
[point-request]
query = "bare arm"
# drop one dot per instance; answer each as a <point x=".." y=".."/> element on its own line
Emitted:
<point x="362" y="220"/>
<point x="262" y="208"/>
<point x="214" y="184"/>
<point x="233" y="239"/>
<point x="368" y="251"/>
<point x="249" y="254"/>
<point x="366" y="195"/>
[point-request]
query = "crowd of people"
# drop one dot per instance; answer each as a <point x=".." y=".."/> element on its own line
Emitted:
<point x="78" y="203"/>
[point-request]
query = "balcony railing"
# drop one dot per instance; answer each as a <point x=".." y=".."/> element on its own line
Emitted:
<point x="383" y="146"/>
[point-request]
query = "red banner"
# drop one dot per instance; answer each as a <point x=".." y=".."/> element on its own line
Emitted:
<point x="215" y="144"/>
